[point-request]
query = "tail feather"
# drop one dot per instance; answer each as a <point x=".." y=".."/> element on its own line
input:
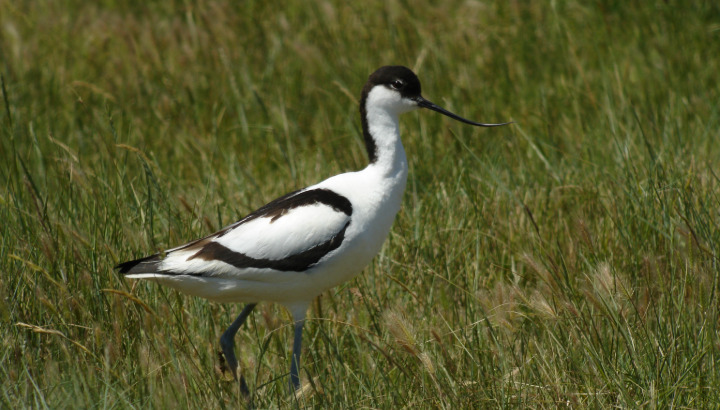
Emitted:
<point x="149" y="264"/>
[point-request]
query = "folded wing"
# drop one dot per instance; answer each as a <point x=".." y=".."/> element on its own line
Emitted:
<point x="292" y="233"/>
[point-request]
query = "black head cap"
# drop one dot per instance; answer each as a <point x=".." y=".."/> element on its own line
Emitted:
<point x="395" y="77"/>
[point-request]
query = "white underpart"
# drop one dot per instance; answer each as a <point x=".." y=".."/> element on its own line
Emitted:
<point x="375" y="194"/>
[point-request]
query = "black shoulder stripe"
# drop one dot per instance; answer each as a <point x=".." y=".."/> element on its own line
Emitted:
<point x="282" y="205"/>
<point x="298" y="262"/>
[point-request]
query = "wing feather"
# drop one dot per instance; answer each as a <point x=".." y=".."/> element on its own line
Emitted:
<point x="291" y="233"/>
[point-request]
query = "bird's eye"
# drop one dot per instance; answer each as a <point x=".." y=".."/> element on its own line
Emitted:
<point x="397" y="84"/>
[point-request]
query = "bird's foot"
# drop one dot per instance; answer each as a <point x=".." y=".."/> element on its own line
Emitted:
<point x="228" y="352"/>
<point x="228" y="364"/>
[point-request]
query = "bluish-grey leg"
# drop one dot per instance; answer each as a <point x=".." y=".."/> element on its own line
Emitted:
<point x="297" y="348"/>
<point x="227" y="343"/>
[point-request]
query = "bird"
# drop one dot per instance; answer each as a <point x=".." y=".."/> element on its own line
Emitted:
<point x="301" y="244"/>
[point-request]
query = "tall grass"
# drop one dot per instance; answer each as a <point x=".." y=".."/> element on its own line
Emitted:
<point x="571" y="259"/>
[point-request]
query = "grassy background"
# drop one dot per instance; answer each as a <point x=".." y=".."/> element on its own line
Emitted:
<point x="570" y="259"/>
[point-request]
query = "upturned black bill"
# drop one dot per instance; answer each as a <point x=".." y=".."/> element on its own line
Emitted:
<point x="427" y="104"/>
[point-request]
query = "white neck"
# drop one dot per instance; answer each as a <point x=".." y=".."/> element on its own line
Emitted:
<point x="380" y="109"/>
<point x="383" y="127"/>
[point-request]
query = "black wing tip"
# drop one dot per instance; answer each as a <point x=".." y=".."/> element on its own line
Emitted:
<point x="147" y="264"/>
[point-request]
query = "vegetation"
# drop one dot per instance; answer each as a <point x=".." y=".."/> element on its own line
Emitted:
<point x="569" y="259"/>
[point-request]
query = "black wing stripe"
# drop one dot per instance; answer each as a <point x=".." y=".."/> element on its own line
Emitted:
<point x="298" y="262"/>
<point x="282" y="205"/>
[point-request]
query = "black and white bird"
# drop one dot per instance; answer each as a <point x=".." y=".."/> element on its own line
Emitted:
<point x="308" y="241"/>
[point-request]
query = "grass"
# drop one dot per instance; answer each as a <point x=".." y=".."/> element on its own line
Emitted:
<point x="568" y="260"/>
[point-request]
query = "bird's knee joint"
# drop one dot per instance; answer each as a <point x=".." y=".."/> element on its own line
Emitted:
<point x="227" y="342"/>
